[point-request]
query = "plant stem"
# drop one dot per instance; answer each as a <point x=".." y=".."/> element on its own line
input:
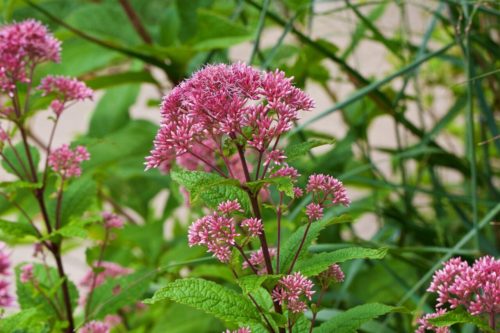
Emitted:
<point x="65" y="288"/>
<point x="246" y="258"/>
<point x="136" y="21"/>
<point x="321" y="294"/>
<point x="279" y="213"/>
<point x="300" y="247"/>
<point x="492" y="320"/>
<point x="94" y="275"/>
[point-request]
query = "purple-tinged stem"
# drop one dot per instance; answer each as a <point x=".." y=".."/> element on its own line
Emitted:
<point x="300" y="247"/>
<point x="246" y="258"/>
<point x="279" y="214"/>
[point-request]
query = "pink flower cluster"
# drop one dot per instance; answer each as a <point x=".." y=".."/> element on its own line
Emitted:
<point x="105" y="326"/>
<point x="326" y="191"/>
<point x="66" y="162"/>
<point x="476" y="287"/>
<point x="6" y="299"/>
<point x="333" y="274"/>
<point x="24" y="45"/>
<point x="291" y="290"/>
<point x="425" y="326"/>
<point x="112" y="220"/>
<point x="66" y="90"/>
<point x="240" y="330"/>
<point x="226" y="101"/>
<point x="257" y="260"/>
<point x="218" y="231"/>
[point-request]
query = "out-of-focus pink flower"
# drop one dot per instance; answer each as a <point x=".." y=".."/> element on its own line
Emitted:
<point x="333" y="274"/>
<point x="253" y="226"/>
<point x="112" y="220"/>
<point x="229" y="206"/>
<point x="297" y="192"/>
<point x="26" y="273"/>
<point x="112" y="320"/>
<point x="66" y="90"/>
<point x="216" y="232"/>
<point x="475" y="287"/>
<point x="425" y="326"/>
<point x="4" y="136"/>
<point x="95" y="327"/>
<point x="291" y="290"/>
<point x="257" y="260"/>
<point x="105" y="270"/>
<point x="5" y="262"/>
<point x="66" y="161"/>
<point x="286" y="171"/>
<point x="240" y="330"/>
<point x="24" y="45"/>
<point x="6" y="299"/>
<point x="314" y="211"/>
<point x="325" y="189"/>
<point x="230" y="101"/>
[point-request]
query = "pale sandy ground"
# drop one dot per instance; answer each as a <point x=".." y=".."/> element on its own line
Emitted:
<point x="370" y="59"/>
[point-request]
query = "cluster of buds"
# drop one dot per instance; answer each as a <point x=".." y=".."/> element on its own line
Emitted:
<point x="333" y="274"/>
<point x="218" y="231"/>
<point x="67" y="162"/>
<point x="105" y="326"/>
<point x="23" y="46"/>
<point x="476" y="288"/>
<point x="291" y="290"/>
<point x="257" y="260"/>
<point x="112" y="221"/>
<point x="326" y="192"/>
<point x="65" y="89"/>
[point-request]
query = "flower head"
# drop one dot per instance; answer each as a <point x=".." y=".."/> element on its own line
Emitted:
<point x="257" y="260"/>
<point x="224" y="102"/>
<point x="6" y="298"/>
<point x="112" y="220"/>
<point x="475" y="287"/>
<point x="103" y="271"/>
<point x="5" y="262"/>
<point x="216" y="232"/>
<point x="66" y="90"/>
<point x="253" y="226"/>
<point x="327" y="189"/>
<point x="332" y="274"/>
<point x="95" y="326"/>
<point x="24" y="45"/>
<point x="66" y="161"/>
<point x="314" y="211"/>
<point x="229" y="206"/>
<point x="424" y="324"/>
<point x="240" y="330"/>
<point x="291" y="290"/>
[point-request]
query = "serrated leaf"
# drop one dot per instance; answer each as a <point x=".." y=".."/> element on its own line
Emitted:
<point x="252" y="283"/>
<point x="283" y="184"/>
<point x="291" y="245"/>
<point x="298" y="150"/>
<point x="302" y="325"/>
<point x="351" y="320"/>
<point x="211" y="298"/>
<point x="318" y="263"/>
<point x="210" y="188"/>
<point x="17" y="229"/>
<point x="27" y="321"/>
<point x="460" y="316"/>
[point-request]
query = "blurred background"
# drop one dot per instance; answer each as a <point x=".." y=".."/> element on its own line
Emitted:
<point x="408" y="90"/>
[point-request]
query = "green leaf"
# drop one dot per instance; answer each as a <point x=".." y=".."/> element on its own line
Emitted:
<point x="460" y="316"/>
<point x="49" y="281"/>
<point x="77" y="199"/>
<point x="210" y="188"/>
<point x="251" y="283"/>
<point x="111" y="80"/>
<point x="283" y="184"/>
<point x="112" y="111"/>
<point x="291" y="245"/>
<point x="19" y="160"/>
<point x="26" y="321"/>
<point x="210" y="297"/>
<point x="299" y="150"/>
<point x="216" y="31"/>
<point x="18" y="185"/>
<point x="17" y="229"/>
<point x="114" y="294"/>
<point x="351" y="320"/>
<point x="318" y="263"/>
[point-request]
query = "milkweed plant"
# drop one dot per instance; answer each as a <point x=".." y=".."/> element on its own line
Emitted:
<point x="223" y="138"/>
